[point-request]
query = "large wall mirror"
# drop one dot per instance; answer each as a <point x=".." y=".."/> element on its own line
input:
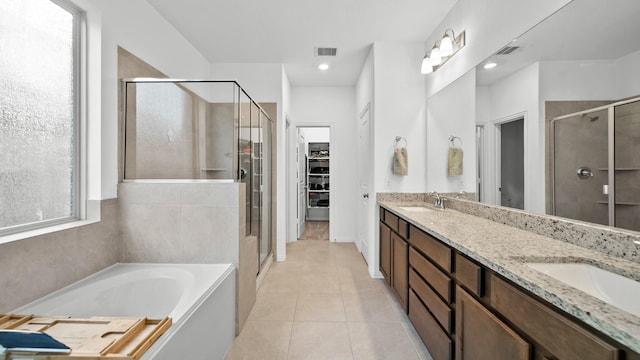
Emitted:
<point x="558" y="116"/>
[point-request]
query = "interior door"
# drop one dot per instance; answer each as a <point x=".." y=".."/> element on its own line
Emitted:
<point x="301" y="183"/>
<point x="363" y="176"/>
<point x="512" y="164"/>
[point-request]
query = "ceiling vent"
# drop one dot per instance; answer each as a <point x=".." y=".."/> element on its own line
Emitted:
<point x="507" y="50"/>
<point x="326" y="51"/>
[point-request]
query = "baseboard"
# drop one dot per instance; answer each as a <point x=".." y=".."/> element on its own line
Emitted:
<point x="377" y="275"/>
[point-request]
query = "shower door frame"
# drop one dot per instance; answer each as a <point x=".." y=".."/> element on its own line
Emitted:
<point x="611" y="176"/>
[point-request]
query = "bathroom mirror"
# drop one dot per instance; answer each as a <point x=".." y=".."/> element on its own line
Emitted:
<point x="585" y="55"/>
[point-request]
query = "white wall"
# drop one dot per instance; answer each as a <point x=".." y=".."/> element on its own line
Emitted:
<point x="489" y="25"/>
<point x="287" y="213"/>
<point x="335" y="107"/>
<point x="399" y="111"/>
<point x="627" y="75"/>
<point x="509" y="99"/>
<point x="451" y="112"/>
<point x="157" y="43"/>
<point x="316" y="134"/>
<point x="577" y="80"/>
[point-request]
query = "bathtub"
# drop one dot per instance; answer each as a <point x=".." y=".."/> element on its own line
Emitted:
<point x="199" y="298"/>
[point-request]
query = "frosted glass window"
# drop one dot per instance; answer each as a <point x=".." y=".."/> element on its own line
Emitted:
<point x="37" y="114"/>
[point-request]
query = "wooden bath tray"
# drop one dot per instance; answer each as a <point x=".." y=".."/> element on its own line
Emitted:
<point x="114" y="338"/>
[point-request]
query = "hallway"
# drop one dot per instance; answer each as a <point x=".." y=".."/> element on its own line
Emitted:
<point x="322" y="304"/>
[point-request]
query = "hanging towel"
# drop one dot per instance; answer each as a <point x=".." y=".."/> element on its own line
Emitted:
<point x="454" y="167"/>
<point x="400" y="161"/>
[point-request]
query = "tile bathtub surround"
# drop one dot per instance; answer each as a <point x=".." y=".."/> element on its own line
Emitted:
<point x="607" y="240"/>
<point x="31" y="268"/>
<point x="180" y="222"/>
<point x="321" y="303"/>
<point x="504" y="249"/>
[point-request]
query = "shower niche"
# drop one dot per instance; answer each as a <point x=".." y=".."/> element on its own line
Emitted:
<point x="596" y="162"/>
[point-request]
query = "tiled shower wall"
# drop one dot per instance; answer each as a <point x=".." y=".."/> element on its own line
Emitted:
<point x="181" y="222"/>
<point x="33" y="267"/>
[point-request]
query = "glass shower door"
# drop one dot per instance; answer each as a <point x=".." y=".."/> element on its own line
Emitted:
<point x="580" y="171"/>
<point x="627" y="166"/>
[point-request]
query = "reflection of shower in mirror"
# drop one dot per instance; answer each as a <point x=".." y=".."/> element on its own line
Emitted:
<point x="591" y="118"/>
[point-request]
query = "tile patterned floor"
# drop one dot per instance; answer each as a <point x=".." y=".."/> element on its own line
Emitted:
<point x="315" y="230"/>
<point x="322" y="304"/>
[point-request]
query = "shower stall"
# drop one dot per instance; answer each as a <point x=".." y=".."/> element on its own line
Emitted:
<point x="596" y="164"/>
<point x="201" y="130"/>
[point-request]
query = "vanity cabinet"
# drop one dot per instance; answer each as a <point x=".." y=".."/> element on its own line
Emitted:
<point x="464" y="310"/>
<point x="481" y="335"/>
<point x="394" y="255"/>
<point x="385" y="250"/>
<point x="400" y="270"/>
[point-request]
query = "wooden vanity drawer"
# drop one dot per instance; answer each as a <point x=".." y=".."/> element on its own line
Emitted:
<point x="438" y="308"/>
<point x="559" y="335"/>
<point x="440" y="253"/>
<point x="438" y="280"/>
<point x="439" y="345"/>
<point x="470" y="275"/>
<point x="392" y="220"/>
<point x="403" y="228"/>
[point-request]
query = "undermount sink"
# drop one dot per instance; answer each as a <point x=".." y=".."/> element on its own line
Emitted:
<point x="609" y="287"/>
<point x="415" y="208"/>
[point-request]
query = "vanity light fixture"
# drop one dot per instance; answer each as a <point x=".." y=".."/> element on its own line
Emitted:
<point x="442" y="51"/>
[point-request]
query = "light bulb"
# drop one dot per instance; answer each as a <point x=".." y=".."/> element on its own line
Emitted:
<point x="446" y="46"/>
<point x="323" y="66"/>
<point x="435" y="58"/>
<point x="490" y="65"/>
<point x="426" y="67"/>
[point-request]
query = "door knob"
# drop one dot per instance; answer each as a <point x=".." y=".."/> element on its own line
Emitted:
<point x="365" y="195"/>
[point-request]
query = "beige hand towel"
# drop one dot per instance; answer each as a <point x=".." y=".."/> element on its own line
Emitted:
<point x="454" y="167"/>
<point x="400" y="162"/>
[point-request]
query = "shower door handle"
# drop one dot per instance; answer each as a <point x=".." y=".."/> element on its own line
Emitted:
<point x="584" y="172"/>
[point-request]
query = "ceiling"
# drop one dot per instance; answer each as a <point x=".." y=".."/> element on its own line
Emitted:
<point x="287" y="31"/>
<point x="584" y="30"/>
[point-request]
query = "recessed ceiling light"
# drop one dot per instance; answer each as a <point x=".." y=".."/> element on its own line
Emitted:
<point x="490" y="65"/>
<point x="323" y="66"/>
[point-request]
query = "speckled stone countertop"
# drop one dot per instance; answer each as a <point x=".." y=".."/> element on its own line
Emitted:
<point x="505" y="250"/>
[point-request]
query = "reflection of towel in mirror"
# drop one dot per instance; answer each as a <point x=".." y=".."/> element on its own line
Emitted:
<point x="400" y="162"/>
<point x="454" y="167"/>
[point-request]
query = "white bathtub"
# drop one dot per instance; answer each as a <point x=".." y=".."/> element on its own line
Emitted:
<point x="199" y="298"/>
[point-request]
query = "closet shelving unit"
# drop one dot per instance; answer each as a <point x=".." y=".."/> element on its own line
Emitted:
<point x="318" y="184"/>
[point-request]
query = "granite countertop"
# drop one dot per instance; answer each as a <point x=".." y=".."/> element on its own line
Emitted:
<point x="505" y="249"/>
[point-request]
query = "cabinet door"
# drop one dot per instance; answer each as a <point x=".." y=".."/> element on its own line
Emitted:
<point x="385" y="251"/>
<point x="400" y="272"/>
<point x="480" y="335"/>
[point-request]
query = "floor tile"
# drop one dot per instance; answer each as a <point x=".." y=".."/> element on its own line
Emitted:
<point x="370" y="306"/>
<point x="274" y="306"/>
<point x="320" y="307"/>
<point x="322" y="304"/>
<point x="380" y="341"/>
<point x="320" y="340"/>
<point x="262" y="340"/>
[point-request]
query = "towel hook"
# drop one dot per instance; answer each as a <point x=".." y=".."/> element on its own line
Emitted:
<point x="452" y="140"/>
<point x="398" y="140"/>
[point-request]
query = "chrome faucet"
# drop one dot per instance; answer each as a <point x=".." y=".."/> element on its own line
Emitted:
<point x="439" y="203"/>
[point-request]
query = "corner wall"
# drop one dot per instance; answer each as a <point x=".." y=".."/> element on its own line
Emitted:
<point x="335" y="107"/>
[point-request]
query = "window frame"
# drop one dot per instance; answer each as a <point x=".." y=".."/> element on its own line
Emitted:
<point x="79" y="176"/>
